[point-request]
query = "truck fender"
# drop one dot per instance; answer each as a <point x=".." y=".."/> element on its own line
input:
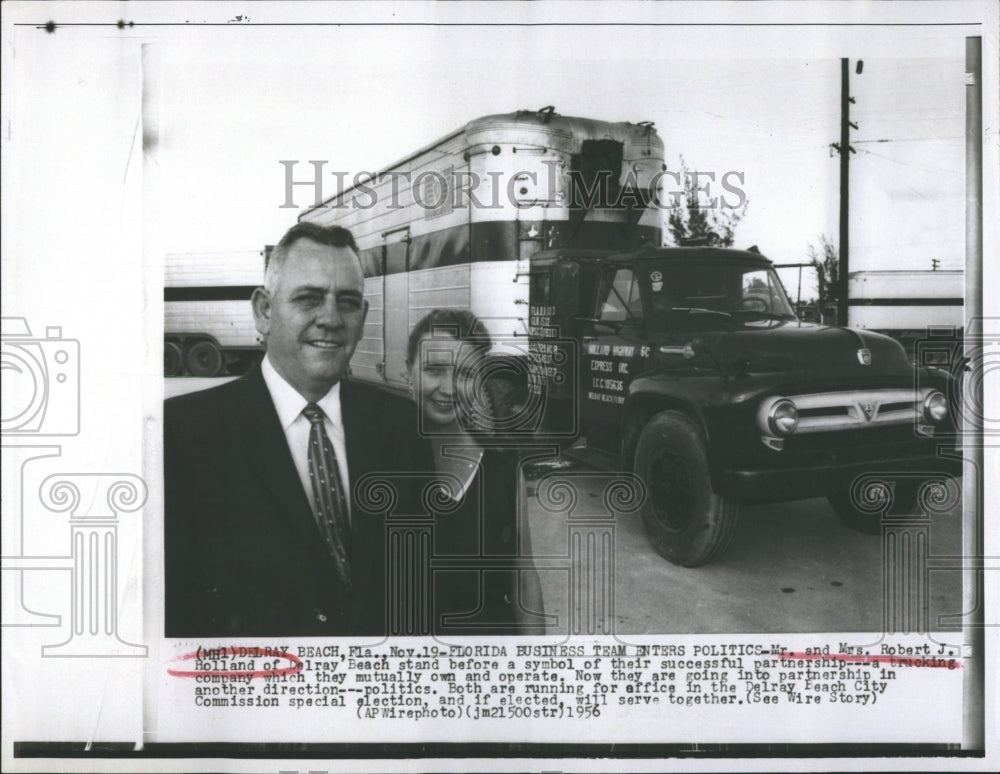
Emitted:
<point x="640" y="409"/>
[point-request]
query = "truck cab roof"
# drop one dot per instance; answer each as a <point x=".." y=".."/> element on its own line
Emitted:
<point x="699" y="254"/>
<point x="611" y="257"/>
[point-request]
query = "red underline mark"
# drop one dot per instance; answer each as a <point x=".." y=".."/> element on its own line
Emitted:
<point x="234" y="652"/>
<point x="931" y="662"/>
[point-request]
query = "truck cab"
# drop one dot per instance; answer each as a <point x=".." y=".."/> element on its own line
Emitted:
<point x="693" y="371"/>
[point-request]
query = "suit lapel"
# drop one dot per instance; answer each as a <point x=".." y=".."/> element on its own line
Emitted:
<point x="264" y="443"/>
<point x="361" y="434"/>
<point x="360" y="427"/>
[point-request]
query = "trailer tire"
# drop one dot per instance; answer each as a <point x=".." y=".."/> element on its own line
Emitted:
<point x="173" y="359"/>
<point x="240" y="363"/>
<point x="204" y="359"/>
<point x="687" y="522"/>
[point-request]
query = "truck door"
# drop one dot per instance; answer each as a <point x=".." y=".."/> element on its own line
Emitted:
<point x="396" y="305"/>
<point x="610" y="355"/>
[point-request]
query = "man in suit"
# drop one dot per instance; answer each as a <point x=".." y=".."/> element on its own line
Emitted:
<point x="266" y="531"/>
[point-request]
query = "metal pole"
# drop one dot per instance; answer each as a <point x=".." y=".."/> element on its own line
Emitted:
<point x="973" y="736"/>
<point x="845" y="118"/>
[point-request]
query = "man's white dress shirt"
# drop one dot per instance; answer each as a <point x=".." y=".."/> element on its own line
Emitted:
<point x="289" y="404"/>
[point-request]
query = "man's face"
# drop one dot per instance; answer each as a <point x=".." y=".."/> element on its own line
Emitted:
<point x="314" y="317"/>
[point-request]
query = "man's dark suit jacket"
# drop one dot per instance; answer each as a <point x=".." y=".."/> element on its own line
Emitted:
<point x="243" y="553"/>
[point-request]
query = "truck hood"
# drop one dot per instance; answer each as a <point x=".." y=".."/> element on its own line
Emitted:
<point x="768" y="346"/>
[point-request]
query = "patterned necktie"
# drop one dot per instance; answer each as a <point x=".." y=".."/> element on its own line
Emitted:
<point x="328" y="493"/>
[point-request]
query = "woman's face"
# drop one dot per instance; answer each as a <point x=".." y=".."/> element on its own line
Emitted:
<point x="444" y="369"/>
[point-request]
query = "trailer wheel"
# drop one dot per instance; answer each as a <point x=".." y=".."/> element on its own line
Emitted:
<point x="686" y="521"/>
<point x="239" y="363"/>
<point x="204" y="359"/>
<point x="173" y="359"/>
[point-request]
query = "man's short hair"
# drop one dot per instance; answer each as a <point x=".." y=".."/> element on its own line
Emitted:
<point x="333" y="236"/>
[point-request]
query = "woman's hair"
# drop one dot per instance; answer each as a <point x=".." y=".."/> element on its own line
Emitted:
<point x="458" y="323"/>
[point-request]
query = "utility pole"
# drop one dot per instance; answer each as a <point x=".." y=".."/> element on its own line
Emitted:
<point x="973" y="417"/>
<point x="845" y="150"/>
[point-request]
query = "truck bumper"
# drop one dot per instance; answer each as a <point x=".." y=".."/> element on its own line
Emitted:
<point x="782" y="484"/>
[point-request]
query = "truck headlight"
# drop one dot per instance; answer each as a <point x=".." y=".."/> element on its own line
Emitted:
<point x="783" y="418"/>
<point x="935" y="407"/>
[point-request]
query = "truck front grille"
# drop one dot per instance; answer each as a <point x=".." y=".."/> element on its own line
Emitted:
<point x="849" y="410"/>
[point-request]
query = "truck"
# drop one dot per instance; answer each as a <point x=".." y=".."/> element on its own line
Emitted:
<point x="208" y="330"/>
<point x="686" y="366"/>
<point x="695" y="373"/>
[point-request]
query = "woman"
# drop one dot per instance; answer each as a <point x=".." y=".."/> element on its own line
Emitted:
<point x="496" y="589"/>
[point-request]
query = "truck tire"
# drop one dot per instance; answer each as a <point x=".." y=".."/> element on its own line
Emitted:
<point x="905" y="502"/>
<point x="173" y="359"/>
<point x="204" y="359"/>
<point x="852" y="516"/>
<point x="687" y="522"/>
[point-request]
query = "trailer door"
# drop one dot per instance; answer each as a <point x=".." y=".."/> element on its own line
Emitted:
<point x="396" y="304"/>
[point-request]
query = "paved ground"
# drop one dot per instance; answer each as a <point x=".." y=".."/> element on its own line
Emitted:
<point x="792" y="567"/>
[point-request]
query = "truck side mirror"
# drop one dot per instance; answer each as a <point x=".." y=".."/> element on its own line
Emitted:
<point x="566" y="278"/>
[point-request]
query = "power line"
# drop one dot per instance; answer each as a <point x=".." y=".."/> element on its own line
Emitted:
<point x="940" y="170"/>
<point x="911" y="139"/>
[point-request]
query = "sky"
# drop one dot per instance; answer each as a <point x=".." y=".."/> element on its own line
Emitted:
<point x="360" y="98"/>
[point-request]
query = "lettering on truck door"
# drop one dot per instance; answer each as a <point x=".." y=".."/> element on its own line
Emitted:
<point x="610" y="357"/>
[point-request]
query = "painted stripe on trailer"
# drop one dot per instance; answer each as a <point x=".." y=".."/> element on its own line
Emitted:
<point x="905" y="302"/>
<point x="216" y="293"/>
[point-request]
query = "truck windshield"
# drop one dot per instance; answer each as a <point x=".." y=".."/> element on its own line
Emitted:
<point x="716" y="290"/>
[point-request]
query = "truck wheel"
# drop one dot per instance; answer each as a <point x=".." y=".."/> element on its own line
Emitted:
<point x="852" y="516"/>
<point x="868" y="521"/>
<point x="686" y="521"/>
<point x="173" y="359"/>
<point x="204" y="359"/>
<point x="905" y="502"/>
